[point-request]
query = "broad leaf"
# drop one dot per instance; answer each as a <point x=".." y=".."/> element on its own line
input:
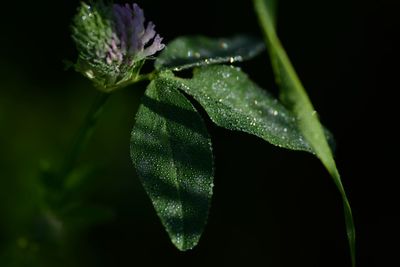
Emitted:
<point x="234" y="102"/>
<point x="190" y="51"/>
<point x="171" y="151"/>
<point x="296" y="99"/>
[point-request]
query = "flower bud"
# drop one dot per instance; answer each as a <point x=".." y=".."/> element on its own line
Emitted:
<point x="113" y="43"/>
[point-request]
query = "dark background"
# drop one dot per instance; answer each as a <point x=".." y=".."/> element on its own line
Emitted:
<point x="271" y="207"/>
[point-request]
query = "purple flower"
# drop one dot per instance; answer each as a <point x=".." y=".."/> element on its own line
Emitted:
<point x="134" y="38"/>
<point x="113" y="41"/>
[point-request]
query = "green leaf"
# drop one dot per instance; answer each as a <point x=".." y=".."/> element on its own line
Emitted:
<point x="234" y="102"/>
<point x="190" y="51"/>
<point x="296" y="99"/>
<point x="171" y="151"/>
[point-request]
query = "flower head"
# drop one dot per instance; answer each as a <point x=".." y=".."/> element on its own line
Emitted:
<point x="113" y="42"/>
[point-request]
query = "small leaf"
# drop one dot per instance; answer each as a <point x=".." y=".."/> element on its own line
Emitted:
<point x="296" y="99"/>
<point x="171" y="151"/>
<point x="190" y="51"/>
<point x="234" y="102"/>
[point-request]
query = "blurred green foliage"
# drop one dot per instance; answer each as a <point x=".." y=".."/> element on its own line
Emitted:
<point x="41" y="217"/>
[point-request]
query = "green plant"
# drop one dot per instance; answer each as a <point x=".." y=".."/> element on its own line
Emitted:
<point x="170" y="146"/>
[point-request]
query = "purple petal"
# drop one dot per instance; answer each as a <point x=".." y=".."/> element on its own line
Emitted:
<point x="136" y="44"/>
<point x="131" y="36"/>
<point x="149" y="33"/>
<point x="154" y="47"/>
<point x="119" y="18"/>
<point x="138" y="20"/>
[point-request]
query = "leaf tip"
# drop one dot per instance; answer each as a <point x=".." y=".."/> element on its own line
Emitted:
<point x="184" y="244"/>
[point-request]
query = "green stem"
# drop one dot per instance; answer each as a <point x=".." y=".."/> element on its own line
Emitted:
<point x="294" y="95"/>
<point x="143" y="77"/>
<point x="84" y="133"/>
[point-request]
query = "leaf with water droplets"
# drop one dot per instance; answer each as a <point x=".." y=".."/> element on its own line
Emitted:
<point x="171" y="151"/>
<point x="190" y="51"/>
<point x="234" y="102"/>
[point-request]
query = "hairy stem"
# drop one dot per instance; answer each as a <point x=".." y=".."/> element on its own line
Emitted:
<point x="85" y="132"/>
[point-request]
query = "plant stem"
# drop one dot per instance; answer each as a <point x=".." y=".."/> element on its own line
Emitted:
<point x="143" y="77"/>
<point x="84" y="133"/>
<point x="294" y="95"/>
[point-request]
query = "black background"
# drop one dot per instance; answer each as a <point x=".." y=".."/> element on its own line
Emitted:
<point x="271" y="207"/>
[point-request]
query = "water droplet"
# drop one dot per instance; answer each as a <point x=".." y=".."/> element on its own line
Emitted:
<point x="190" y="53"/>
<point x="232" y="59"/>
<point x="224" y="45"/>
<point x="178" y="239"/>
<point x="275" y="113"/>
<point x="89" y="74"/>
<point x="226" y="74"/>
<point x="285" y="130"/>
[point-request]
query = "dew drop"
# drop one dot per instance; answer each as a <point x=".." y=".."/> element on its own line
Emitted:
<point x="226" y="74"/>
<point x="89" y="74"/>
<point x="178" y="239"/>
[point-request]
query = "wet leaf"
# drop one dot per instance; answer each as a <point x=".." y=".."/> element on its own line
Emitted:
<point x="234" y="102"/>
<point x="190" y="51"/>
<point x="296" y="99"/>
<point x="171" y="151"/>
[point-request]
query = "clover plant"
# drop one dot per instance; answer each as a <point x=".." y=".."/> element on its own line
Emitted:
<point x="170" y="146"/>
